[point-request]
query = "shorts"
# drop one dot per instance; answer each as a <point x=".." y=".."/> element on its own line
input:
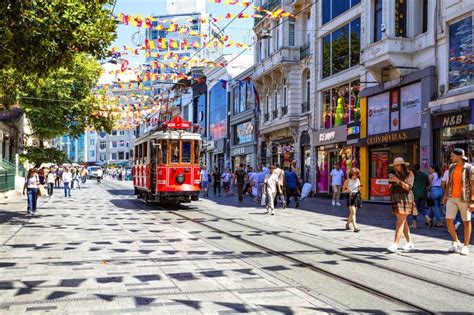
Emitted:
<point x="226" y="185"/>
<point x="204" y="185"/>
<point x="454" y="205"/>
<point x="336" y="188"/>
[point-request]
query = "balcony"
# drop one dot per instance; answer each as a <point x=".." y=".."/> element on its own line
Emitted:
<point x="284" y="111"/>
<point x="269" y="5"/>
<point x="275" y="114"/>
<point x="391" y="57"/>
<point x="266" y="117"/>
<point x="284" y="55"/>
<point x="305" y="51"/>
<point x="305" y="107"/>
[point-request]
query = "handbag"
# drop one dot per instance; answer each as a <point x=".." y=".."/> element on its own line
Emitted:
<point x="263" y="202"/>
<point x="41" y="191"/>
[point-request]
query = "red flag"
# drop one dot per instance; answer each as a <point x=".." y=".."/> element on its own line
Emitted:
<point x="124" y="65"/>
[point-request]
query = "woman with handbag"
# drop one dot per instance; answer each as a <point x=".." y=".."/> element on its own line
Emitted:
<point x="32" y="183"/>
<point x="352" y="188"/>
<point x="436" y="193"/>
<point x="403" y="202"/>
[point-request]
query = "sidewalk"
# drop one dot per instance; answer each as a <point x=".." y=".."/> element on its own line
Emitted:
<point x="317" y="218"/>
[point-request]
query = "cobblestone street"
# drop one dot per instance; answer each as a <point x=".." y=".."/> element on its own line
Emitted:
<point x="103" y="251"/>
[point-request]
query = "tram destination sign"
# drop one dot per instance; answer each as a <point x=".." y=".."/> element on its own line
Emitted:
<point x="178" y="123"/>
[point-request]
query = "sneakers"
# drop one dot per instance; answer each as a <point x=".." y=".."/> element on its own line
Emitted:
<point x="454" y="247"/>
<point x="408" y="246"/>
<point x="457" y="225"/>
<point x="393" y="248"/>
<point x="464" y="250"/>
<point x="338" y="204"/>
<point x="333" y="202"/>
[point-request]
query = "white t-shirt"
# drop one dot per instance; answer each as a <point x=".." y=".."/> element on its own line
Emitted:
<point x="337" y="176"/>
<point x="225" y="177"/>
<point x="204" y="176"/>
<point x="353" y="185"/>
<point x="445" y="176"/>
<point x="51" y="178"/>
<point x="100" y="172"/>
<point x="67" y="177"/>
<point x="436" y="180"/>
<point x="32" y="182"/>
<point x="272" y="182"/>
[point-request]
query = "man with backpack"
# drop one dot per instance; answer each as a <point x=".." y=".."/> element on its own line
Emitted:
<point x="240" y="180"/>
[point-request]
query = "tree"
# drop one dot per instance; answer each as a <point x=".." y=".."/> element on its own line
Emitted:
<point x="39" y="36"/>
<point x="37" y="156"/>
<point x="63" y="103"/>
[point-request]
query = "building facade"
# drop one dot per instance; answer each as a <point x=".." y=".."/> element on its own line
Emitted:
<point x="284" y="75"/>
<point x="243" y="121"/>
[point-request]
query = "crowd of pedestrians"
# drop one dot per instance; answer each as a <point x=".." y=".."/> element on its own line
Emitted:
<point x="413" y="193"/>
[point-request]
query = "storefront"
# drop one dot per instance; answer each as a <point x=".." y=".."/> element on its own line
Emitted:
<point x="218" y="159"/>
<point x="383" y="149"/>
<point x="305" y="153"/>
<point x="283" y="152"/>
<point x="242" y="154"/>
<point x="333" y="149"/>
<point x="451" y="130"/>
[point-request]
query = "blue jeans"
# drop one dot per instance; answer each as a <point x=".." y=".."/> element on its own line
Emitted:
<point x="32" y="194"/>
<point x="437" y="195"/>
<point x="67" y="190"/>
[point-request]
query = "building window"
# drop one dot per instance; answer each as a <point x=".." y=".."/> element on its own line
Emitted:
<point x="243" y="96"/>
<point x="92" y="153"/>
<point x="218" y="111"/>
<point x="102" y="134"/>
<point x="127" y="144"/>
<point x="260" y="51"/>
<point x="378" y="20"/>
<point x="114" y="144"/>
<point x="114" y="132"/>
<point x="92" y="142"/>
<point x="334" y="8"/>
<point x="285" y="95"/>
<point x="291" y="35"/>
<point x="308" y="87"/>
<point x="113" y="156"/>
<point x="236" y="99"/>
<point x="424" y="26"/>
<point x="308" y="29"/>
<point x="461" y="54"/>
<point x="250" y="95"/>
<point x="275" y="100"/>
<point x="122" y="143"/>
<point x="122" y="132"/>
<point x="401" y="18"/>
<point x="341" y="105"/>
<point x="243" y="133"/>
<point x="103" y="145"/>
<point x="121" y="155"/>
<point x="127" y="155"/>
<point x="102" y="157"/>
<point x="267" y="47"/>
<point x="341" y="49"/>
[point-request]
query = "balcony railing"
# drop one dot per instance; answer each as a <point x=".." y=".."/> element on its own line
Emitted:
<point x="269" y="5"/>
<point x="284" y="110"/>
<point x="275" y="114"/>
<point x="266" y="117"/>
<point x="305" y="107"/>
<point x="305" y="50"/>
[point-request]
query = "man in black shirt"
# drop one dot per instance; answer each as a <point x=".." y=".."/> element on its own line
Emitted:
<point x="216" y="176"/>
<point x="240" y="180"/>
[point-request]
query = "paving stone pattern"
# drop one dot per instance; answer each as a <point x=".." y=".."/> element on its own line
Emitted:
<point x="99" y="252"/>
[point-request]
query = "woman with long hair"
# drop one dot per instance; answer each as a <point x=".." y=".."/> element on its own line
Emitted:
<point x="436" y="192"/>
<point x="352" y="187"/>
<point x="31" y="188"/>
<point x="403" y="202"/>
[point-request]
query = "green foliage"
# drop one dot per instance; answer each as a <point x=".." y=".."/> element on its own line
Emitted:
<point x="62" y="103"/>
<point x="39" y="36"/>
<point x="37" y="156"/>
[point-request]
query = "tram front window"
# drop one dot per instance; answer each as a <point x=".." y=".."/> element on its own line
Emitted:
<point x="186" y="152"/>
<point x="164" y="148"/>
<point x="175" y="152"/>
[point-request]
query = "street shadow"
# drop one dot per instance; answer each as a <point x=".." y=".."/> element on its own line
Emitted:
<point x="13" y="217"/>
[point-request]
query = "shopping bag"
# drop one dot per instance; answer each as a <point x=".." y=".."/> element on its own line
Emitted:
<point x="263" y="202"/>
<point x="41" y="191"/>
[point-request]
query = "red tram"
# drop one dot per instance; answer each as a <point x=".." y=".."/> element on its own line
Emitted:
<point x="166" y="163"/>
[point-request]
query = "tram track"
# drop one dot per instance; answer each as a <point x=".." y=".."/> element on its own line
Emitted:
<point x="308" y="265"/>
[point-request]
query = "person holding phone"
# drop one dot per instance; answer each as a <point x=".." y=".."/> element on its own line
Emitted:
<point x="403" y="202"/>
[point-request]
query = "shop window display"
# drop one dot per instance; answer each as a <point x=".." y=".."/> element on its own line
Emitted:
<point x="347" y="157"/>
<point x="341" y="105"/>
<point x="461" y="53"/>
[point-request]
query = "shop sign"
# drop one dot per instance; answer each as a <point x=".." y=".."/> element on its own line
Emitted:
<point x="327" y="136"/>
<point x="353" y="130"/>
<point x="392" y="137"/>
<point x="411" y="106"/>
<point x="286" y="148"/>
<point x="450" y="120"/>
<point x="238" y="151"/>
<point x="378" y="114"/>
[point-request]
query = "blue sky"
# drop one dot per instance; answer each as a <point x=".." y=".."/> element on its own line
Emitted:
<point x="239" y="30"/>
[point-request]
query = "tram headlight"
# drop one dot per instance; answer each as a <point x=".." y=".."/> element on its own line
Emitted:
<point x="180" y="179"/>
